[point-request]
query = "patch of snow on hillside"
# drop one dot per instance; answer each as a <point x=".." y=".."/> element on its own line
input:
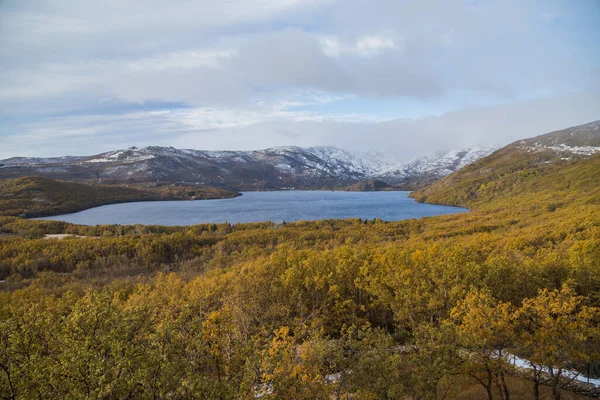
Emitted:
<point x="562" y="148"/>
<point x="579" y="150"/>
<point x="131" y="155"/>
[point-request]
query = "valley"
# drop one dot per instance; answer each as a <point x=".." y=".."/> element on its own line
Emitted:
<point x="310" y="309"/>
<point x="299" y="200"/>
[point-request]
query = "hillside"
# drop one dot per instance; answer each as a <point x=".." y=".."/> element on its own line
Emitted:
<point x="37" y="196"/>
<point x="372" y="185"/>
<point x="268" y="169"/>
<point x="547" y="168"/>
<point x="583" y="139"/>
<point x="321" y="309"/>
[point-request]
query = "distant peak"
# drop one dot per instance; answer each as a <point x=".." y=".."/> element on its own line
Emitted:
<point x="284" y="148"/>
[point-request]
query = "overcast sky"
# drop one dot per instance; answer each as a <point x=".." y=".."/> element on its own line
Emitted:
<point x="407" y="77"/>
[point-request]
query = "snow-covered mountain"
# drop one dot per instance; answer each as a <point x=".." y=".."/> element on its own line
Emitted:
<point x="319" y="162"/>
<point x="278" y="167"/>
<point x="435" y="166"/>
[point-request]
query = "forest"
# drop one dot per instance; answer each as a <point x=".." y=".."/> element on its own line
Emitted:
<point x="434" y="308"/>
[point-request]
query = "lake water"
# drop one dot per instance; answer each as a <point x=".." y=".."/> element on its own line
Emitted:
<point x="262" y="206"/>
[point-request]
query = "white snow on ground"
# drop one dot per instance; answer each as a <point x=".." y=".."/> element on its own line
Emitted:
<point x="526" y="364"/>
<point x="580" y="150"/>
<point x="122" y="157"/>
<point x="521" y="363"/>
<point x="563" y="148"/>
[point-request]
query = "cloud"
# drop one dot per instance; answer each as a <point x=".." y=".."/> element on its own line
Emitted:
<point x="366" y="46"/>
<point x="267" y="69"/>
<point x="267" y="126"/>
<point x="414" y="50"/>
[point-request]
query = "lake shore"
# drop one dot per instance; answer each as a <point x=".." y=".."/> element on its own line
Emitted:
<point x="263" y="206"/>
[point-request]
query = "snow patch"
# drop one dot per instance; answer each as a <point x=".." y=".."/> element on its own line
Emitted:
<point x="562" y="148"/>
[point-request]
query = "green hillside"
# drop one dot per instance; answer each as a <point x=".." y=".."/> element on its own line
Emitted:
<point x="37" y="196"/>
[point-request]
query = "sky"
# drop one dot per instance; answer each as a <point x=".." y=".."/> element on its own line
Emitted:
<point x="402" y="77"/>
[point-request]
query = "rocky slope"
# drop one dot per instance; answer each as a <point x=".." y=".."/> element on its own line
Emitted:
<point x="273" y="168"/>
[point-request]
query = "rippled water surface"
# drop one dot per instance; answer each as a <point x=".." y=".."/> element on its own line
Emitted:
<point x="263" y="206"/>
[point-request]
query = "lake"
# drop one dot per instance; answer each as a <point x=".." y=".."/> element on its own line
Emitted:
<point x="279" y="206"/>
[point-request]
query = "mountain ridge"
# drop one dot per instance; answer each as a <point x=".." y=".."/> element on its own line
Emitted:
<point x="271" y="168"/>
